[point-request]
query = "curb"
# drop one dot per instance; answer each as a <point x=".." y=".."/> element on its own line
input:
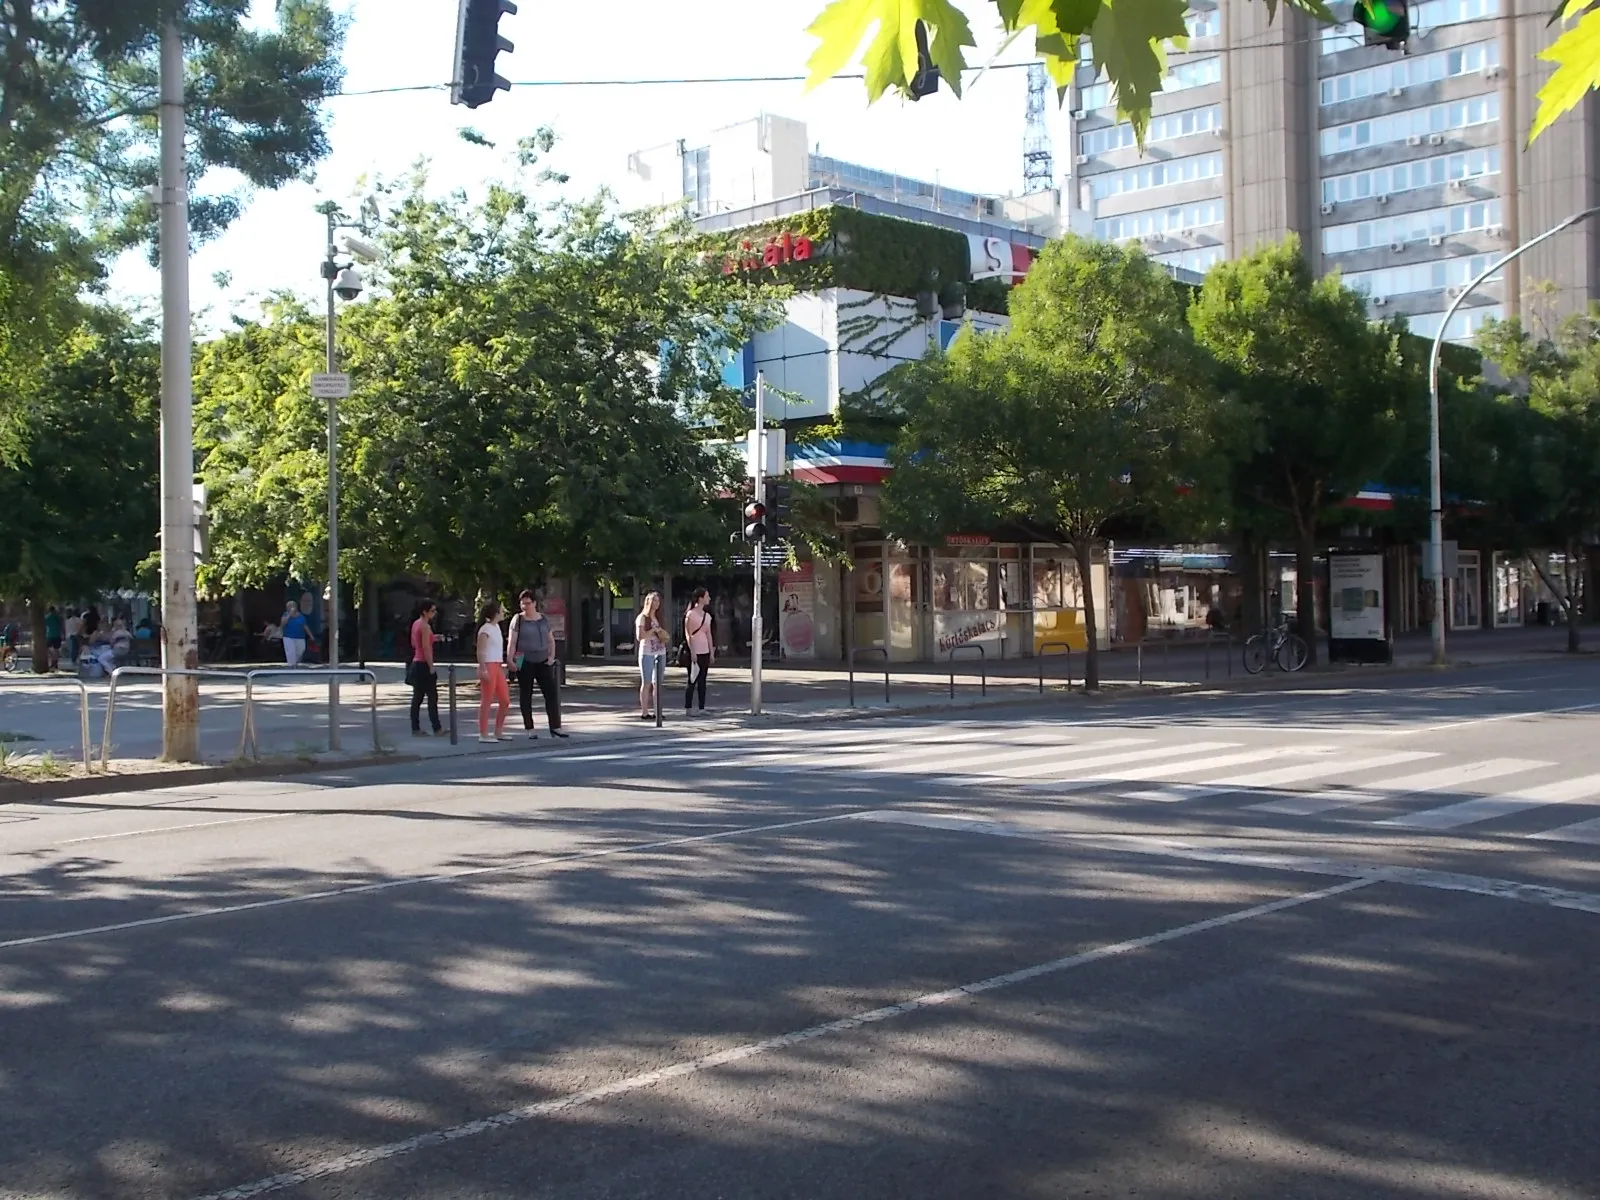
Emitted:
<point x="13" y="792"/>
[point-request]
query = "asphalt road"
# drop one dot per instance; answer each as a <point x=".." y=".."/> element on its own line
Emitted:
<point x="1333" y="942"/>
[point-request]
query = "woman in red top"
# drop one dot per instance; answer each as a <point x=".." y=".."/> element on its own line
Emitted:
<point x="420" y="673"/>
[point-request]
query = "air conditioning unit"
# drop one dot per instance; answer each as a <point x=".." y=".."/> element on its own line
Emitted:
<point x="1383" y="197"/>
<point x="1219" y="132"/>
<point x="1152" y="239"/>
<point x="1414" y="139"/>
<point x="1378" y="301"/>
<point x="1327" y="209"/>
<point x="1436" y="139"/>
<point x="1396" y="92"/>
<point x="1454" y="293"/>
<point x="1458" y="185"/>
<point x="1078" y="114"/>
<point x="1081" y="160"/>
<point x="1397" y="247"/>
<point x="1435" y="239"/>
<point x="1493" y="72"/>
<point x="1493" y="231"/>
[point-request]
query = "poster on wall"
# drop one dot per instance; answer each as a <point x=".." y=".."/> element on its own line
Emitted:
<point x="797" y="611"/>
<point x="955" y="629"/>
<point x="1357" y="622"/>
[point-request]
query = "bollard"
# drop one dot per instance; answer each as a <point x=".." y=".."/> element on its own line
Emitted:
<point x="454" y="737"/>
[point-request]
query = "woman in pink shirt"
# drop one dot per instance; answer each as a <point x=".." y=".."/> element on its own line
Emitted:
<point x="421" y="673"/>
<point x="702" y="646"/>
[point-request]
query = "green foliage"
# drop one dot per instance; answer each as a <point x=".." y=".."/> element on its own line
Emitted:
<point x="80" y="496"/>
<point x="865" y="252"/>
<point x="1130" y="38"/>
<point x="1090" y="408"/>
<point x="1576" y="54"/>
<point x="1327" y="394"/>
<point x="533" y="394"/>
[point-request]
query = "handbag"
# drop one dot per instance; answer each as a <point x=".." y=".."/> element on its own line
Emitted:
<point x="685" y="658"/>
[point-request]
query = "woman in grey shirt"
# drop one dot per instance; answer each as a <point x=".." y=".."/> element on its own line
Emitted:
<point x="531" y="651"/>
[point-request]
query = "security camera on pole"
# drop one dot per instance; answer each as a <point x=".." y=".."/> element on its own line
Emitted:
<point x="344" y="282"/>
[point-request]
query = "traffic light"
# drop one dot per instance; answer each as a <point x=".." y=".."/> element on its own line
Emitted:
<point x="1387" y="22"/>
<point x="926" y="81"/>
<point x="779" y="494"/>
<point x="478" y="42"/>
<point x="755" y="521"/>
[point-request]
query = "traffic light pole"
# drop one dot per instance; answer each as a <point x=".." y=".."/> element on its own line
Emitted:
<point x="758" y="467"/>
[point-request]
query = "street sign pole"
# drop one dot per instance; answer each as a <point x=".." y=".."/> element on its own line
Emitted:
<point x="758" y="467"/>
<point x="333" y="506"/>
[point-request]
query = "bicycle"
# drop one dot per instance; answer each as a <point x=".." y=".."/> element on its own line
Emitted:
<point x="1277" y="644"/>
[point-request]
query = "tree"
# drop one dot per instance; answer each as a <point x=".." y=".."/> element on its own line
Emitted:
<point x="81" y="496"/>
<point x="1130" y="40"/>
<point x="1550" y="494"/>
<point x="1090" y="408"/>
<point x="535" y="392"/>
<point x="1326" y="392"/>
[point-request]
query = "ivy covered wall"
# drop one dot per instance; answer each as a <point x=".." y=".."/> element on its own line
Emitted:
<point x="867" y="252"/>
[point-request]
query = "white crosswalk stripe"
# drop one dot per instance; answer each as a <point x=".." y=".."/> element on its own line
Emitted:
<point x="1461" y="774"/>
<point x="1587" y="832"/>
<point x="1192" y="766"/>
<point x="1278" y="776"/>
<point x="1487" y="808"/>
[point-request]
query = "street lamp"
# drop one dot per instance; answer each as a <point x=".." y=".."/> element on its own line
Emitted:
<point x="344" y="282"/>
<point x="1435" y="492"/>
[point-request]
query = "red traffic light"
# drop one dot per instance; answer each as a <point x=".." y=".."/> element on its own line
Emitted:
<point x="755" y="511"/>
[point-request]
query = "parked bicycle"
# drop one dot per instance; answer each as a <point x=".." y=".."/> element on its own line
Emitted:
<point x="1277" y="644"/>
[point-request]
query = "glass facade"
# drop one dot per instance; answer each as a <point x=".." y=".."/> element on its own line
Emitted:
<point x="1463" y="326"/>
<point x="1433" y="120"/>
<point x="1420" y="277"/>
<point x="1410" y="72"/>
<point x="1409" y="176"/>
<point x="1156" y="174"/>
<point x="1181" y="219"/>
<point x="1162" y="129"/>
<point x="1411" y="227"/>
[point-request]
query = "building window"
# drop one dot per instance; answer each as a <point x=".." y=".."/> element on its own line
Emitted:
<point x="1409" y="176"/>
<point x="1157" y="174"/>
<point x="697" y="179"/>
<point x="1180" y="219"/>
<point x="1410" y="72"/>
<point x="1193" y="74"/>
<point x="1420" y="277"/>
<point x="1204" y="24"/>
<point x="1198" y="260"/>
<point x="1411" y="227"/>
<point x="1464" y="326"/>
<point x="1164" y="128"/>
<point x="1430" y="14"/>
<point x="1413" y="123"/>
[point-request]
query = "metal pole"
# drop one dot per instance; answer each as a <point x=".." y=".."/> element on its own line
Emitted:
<point x="453" y="738"/>
<point x="1435" y="490"/>
<point x="759" y="468"/>
<point x="180" y="715"/>
<point x="333" y="505"/>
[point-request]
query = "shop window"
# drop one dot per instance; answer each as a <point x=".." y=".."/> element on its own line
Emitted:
<point x="1047" y="584"/>
<point x="961" y="585"/>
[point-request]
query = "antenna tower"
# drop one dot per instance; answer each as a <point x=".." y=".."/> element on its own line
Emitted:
<point x="1038" y="164"/>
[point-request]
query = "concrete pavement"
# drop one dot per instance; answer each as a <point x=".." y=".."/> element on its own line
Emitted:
<point x="1313" y="943"/>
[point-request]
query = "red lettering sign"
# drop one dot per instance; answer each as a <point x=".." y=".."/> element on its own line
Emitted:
<point x="967" y="539"/>
<point x="786" y="248"/>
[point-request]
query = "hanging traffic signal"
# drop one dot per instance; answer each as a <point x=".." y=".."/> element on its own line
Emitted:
<point x="926" y="81"/>
<point x="1387" y="22"/>
<point x="755" y="522"/>
<point x="473" y="81"/>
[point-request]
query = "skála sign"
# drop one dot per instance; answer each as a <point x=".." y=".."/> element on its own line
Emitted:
<point x="785" y="248"/>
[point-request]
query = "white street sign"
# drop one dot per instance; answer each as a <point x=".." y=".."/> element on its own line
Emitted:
<point x="330" y="387"/>
<point x="776" y="460"/>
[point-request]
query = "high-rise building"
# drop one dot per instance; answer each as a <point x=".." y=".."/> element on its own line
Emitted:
<point x="1405" y="172"/>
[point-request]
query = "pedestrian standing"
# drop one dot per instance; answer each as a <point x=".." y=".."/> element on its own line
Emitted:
<point x="533" y="657"/>
<point x="294" y="630"/>
<point x="52" y="637"/>
<point x="650" y="635"/>
<point x="73" y="629"/>
<point x="422" y="673"/>
<point x="702" y="646"/>
<point x="493" y="690"/>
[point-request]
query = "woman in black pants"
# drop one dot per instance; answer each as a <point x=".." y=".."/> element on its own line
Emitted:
<point x="702" y="646"/>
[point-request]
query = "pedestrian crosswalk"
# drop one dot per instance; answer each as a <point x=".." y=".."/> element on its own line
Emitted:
<point x="1295" y="776"/>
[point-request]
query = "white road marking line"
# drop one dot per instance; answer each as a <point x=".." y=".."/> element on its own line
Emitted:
<point x="968" y="765"/>
<point x="1462" y="724"/>
<point x="1486" y="808"/>
<point x="1172" y="770"/>
<point x="1394" y="789"/>
<point x="1074" y="769"/>
<point x="1586" y="832"/>
<point x="357" y="1159"/>
<point x="1442" y="881"/>
<point x="1281" y="775"/>
<point x="931" y="745"/>
<point x="366" y="889"/>
<point x="127" y="833"/>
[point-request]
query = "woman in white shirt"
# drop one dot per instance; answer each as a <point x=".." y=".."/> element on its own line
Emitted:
<point x="493" y="688"/>
<point x="650" y="635"/>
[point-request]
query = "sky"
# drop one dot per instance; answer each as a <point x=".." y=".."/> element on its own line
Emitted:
<point x="974" y="144"/>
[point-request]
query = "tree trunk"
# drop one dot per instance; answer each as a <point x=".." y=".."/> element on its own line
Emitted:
<point x="1083" y="551"/>
<point x="1563" y="595"/>
<point x="1305" y="555"/>
<point x="41" y="652"/>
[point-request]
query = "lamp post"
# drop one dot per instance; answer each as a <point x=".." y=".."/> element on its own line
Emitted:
<point x="344" y="282"/>
<point x="1435" y="491"/>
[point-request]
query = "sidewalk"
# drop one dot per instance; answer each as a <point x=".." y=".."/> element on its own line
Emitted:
<point x="40" y="718"/>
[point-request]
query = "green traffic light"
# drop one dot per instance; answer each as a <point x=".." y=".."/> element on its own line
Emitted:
<point x="1380" y="16"/>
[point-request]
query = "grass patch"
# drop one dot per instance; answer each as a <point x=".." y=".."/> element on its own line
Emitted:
<point x="31" y="770"/>
<point x="9" y="738"/>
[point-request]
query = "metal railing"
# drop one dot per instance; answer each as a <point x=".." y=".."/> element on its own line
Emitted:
<point x="248" y="747"/>
<point x="855" y="650"/>
<point x="1227" y="641"/>
<point x="983" y="667"/>
<point x="1166" y="655"/>
<point x="151" y="673"/>
<point x="86" y="743"/>
<point x="1041" y="653"/>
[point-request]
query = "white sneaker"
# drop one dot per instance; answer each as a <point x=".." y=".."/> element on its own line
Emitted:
<point x="484" y="737"/>
<point x="504" y="737"/>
